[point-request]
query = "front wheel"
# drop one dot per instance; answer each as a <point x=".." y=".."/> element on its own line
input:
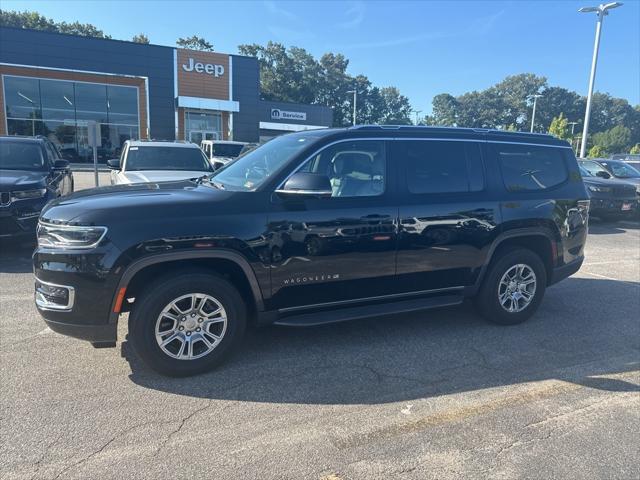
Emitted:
<point x="187" y="324"/>
<point x="513" y="287"/>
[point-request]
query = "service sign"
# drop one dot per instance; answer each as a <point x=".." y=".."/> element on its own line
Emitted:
<point x="277" y="114"/>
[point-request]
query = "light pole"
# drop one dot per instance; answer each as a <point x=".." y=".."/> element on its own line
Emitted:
<point x="573" y="125"/>
<point x="355" y="99"/>
<point x="417" y="112"/>
<point x="602" y="10"/>
<point x="533" y="114"/>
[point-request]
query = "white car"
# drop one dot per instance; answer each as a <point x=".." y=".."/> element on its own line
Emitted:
<point x="148" y="161"/>
<point x="221" y="152"/>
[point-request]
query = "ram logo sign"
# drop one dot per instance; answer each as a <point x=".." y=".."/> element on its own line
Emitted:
<point x="277" y="114"/>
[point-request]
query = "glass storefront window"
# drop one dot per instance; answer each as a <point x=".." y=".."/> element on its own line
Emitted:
<point x="200" y="126"/>
<point x="122" y="105"/>
<point x="91" y="102"/>
<point x="57" y="98"/>
<point x="63" y="111"/>
<point x="22" y="97"/>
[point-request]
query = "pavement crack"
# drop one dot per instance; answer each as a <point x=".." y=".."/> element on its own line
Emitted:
<point x="180" y="426"/>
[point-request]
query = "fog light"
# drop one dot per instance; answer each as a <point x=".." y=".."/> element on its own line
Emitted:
<point x="53" y="297"/>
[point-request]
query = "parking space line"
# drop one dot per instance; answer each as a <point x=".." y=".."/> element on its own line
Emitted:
<point x="609" y="263"/>
<point x="635" y="284"/>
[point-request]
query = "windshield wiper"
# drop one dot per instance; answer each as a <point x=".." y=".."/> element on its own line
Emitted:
<point x="207" y="179"/>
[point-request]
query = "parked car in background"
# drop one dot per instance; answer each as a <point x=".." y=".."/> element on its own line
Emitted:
<point x="221" y="152"/>
<point x="622" y="171"/>
<point x="610" y="198"/>
<point x="150" y="161"/>
<point x="31" y="173"/>
<point x="630" y="158"/>
<point x="315" y="227"/>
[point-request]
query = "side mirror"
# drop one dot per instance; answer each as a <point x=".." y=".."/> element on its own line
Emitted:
<point x="61" y="164"/>
<point x="114" y="164"/>
<point x="307" y="184"/>
<point x="603" y="174"/>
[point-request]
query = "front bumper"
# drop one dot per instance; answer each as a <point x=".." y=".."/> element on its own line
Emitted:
<point x="91" y="278"/>
<point x="99" y="335"/>
<point x="566" y="270"/>
<point x="613" y="207"/>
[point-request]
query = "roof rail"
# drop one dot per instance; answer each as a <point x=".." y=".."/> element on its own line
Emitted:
<point x="436" y="127"/>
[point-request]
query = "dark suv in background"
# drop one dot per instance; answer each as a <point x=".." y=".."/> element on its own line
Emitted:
<point x="311" y="228"/>
<point x="31" y="173"/>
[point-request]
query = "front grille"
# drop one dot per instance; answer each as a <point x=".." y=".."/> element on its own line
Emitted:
<point x="623" y="192"/>
<point x="5" y="198"/>
<point x="8" y="226"/>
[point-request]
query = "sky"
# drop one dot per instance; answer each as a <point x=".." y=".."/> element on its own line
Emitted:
<point x="422" y="47"/>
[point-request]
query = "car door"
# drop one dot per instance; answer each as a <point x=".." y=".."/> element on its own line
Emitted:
<point x="447" y="219"/>
<point x="341" y="248"/>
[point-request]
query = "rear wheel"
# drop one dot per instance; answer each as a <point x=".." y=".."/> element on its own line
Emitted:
<point x="513" y="287"/>
<point x="187" y="324"/>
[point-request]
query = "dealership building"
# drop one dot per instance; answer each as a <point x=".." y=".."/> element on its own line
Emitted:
<point x="61" y="86"/>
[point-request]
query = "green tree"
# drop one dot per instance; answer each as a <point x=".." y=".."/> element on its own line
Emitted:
<point x="445" y="110"/>
<point x="597" y="151"/>
<point x="614" y="140"/>
<point x="294" y="75"/>
<point x="195" y="43"/>
<point x="560" y="127"/>
<point x="635" y="150"/>
<point x="140" y="38"/>
<point x="35" y="21"/>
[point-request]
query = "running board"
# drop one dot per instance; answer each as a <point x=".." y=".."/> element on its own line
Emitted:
<point x="366" y="311"/>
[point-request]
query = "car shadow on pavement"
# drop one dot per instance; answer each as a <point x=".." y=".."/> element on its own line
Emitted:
<point x="573" y="338"/>
<point x="15" y="255"/>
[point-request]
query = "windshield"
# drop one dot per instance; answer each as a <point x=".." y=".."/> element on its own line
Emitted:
<point x="20" y="156"/>
<point x="585" y="173"/>
<point x="251" y="170"/>
<point x="622" y="170"/>
<point x="230" y="150"/>
<point x="593" y="168"/>
<point x="166" y="158"/>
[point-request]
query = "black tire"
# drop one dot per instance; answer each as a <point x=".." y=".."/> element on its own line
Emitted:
<point x="487" y="301"/>
<point x="149" y="305"/>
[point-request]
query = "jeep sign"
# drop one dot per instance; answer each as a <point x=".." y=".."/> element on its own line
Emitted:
<point x="277" y="114"/>
<point x="211" y="69"/>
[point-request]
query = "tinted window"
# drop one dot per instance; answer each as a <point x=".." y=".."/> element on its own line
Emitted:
<point x="441" y="166"/>
<point x="20" y="156"/>
<point x="528" y="168"/>
<point x="354" y="169"/>
<point x="166" y="158"/>
<point x="230" y="150"/>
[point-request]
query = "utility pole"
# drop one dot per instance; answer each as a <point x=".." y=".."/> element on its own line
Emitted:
<point x="417" y="112"/>
<point x="601" y="10"/>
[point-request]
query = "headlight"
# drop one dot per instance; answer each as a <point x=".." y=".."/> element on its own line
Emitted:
<point x="26" y="194"/>
<point x="595" y="188"/>
<point x="69" y="236"/>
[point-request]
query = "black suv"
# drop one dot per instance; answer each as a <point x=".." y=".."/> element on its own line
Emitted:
<point x="31" y="173"/>
<point x="311" y="228"/>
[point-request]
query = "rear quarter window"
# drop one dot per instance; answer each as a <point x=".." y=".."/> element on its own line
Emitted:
<point x="529" y="168"/>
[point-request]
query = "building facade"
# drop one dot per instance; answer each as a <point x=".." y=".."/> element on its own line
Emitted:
<point x="66" y="87"/>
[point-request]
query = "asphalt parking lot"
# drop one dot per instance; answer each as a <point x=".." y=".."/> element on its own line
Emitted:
<point x="440" y="394"/>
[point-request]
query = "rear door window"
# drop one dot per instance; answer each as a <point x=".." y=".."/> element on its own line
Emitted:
<point x="435" y="166"/>
<point x="529" y="168"/>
